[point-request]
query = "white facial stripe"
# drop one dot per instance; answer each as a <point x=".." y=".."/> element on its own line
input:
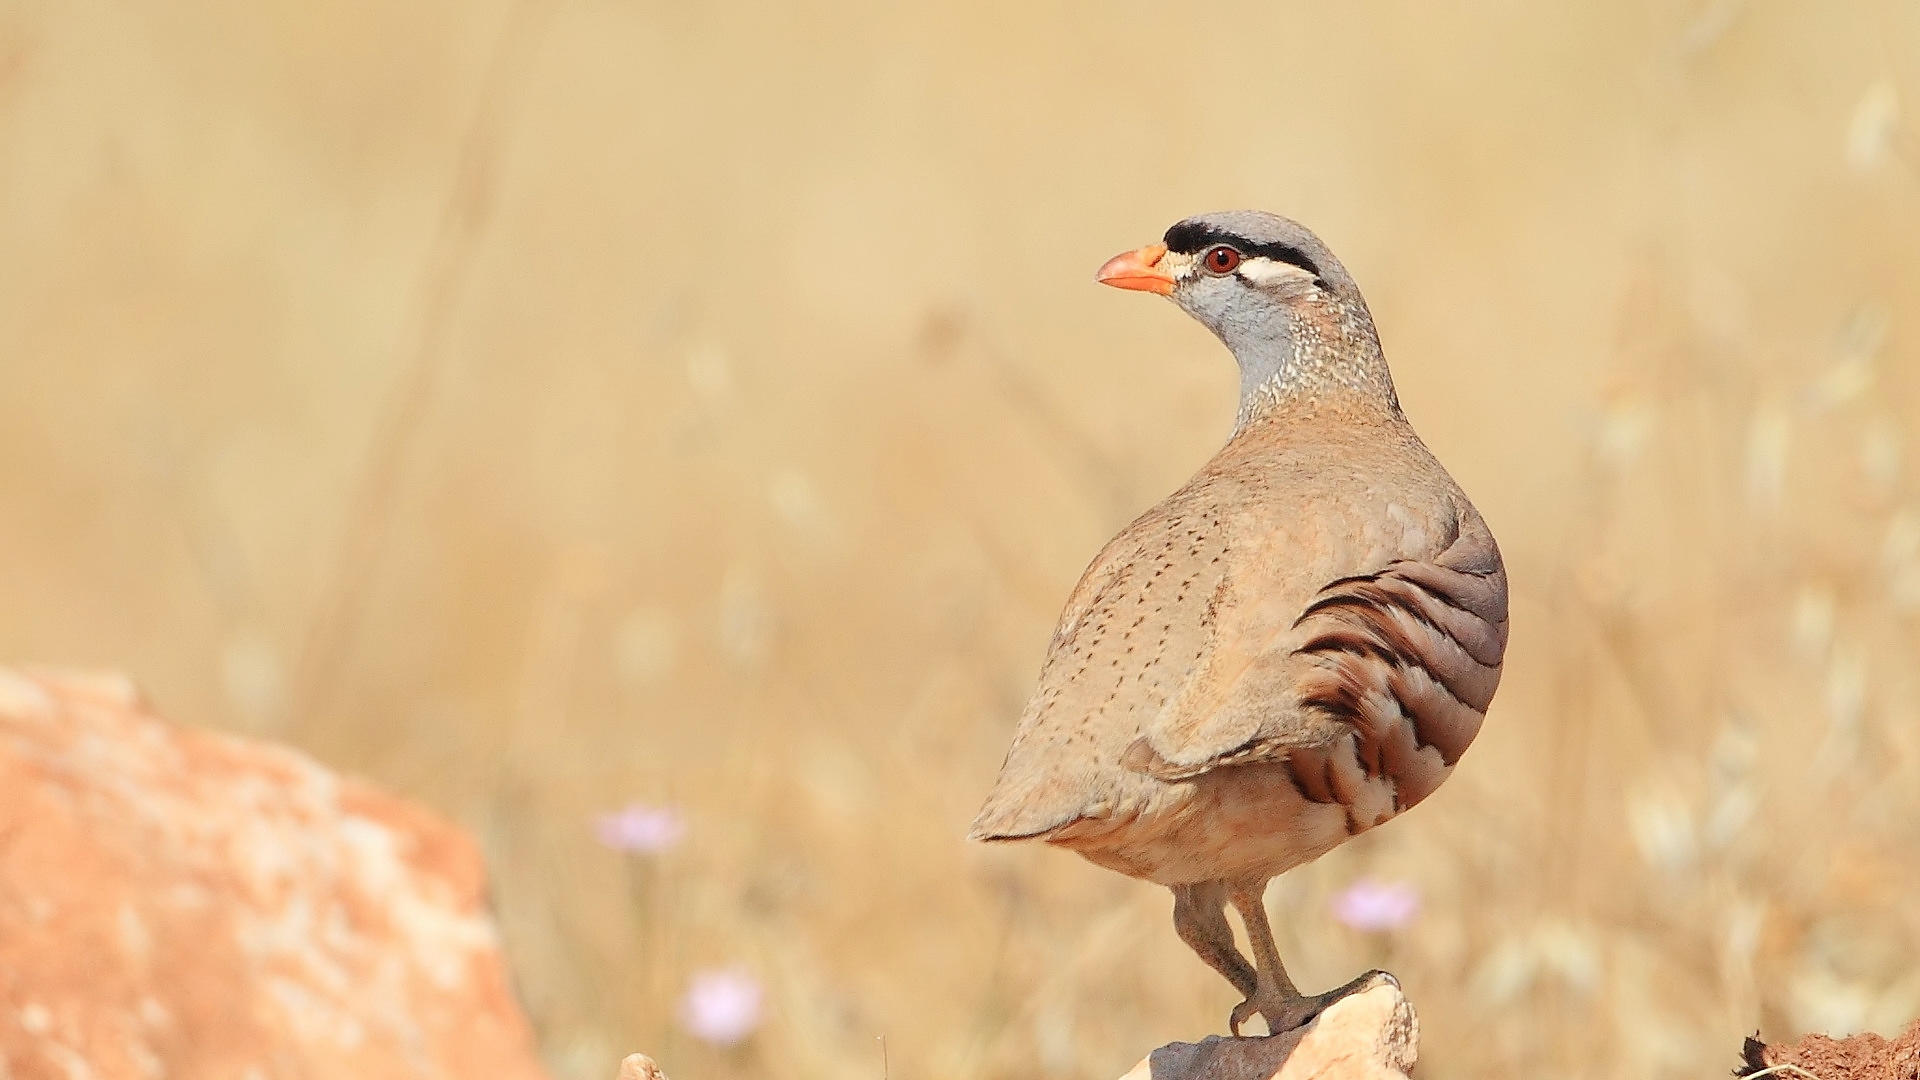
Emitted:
<point x="1181" y="266"/>
<point x="1267" y="273"/>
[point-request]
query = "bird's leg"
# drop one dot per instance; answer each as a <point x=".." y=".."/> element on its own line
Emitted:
<point x="1200" y="918"/>
<point x="1274" y="996"/>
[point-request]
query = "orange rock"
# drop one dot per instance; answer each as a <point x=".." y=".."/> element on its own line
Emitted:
<point x="175" y="903"/>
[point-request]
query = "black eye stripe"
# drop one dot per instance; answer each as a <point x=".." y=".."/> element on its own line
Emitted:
<point x="1193" y="238"/>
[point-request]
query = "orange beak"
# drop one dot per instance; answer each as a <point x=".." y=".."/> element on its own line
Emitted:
<point x="1138" y="270"/>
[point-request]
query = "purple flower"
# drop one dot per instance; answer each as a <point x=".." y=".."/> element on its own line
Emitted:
<point x="640" y="829"/>
<point x="721" y="1005"/>
<point x="1377" y="905"/>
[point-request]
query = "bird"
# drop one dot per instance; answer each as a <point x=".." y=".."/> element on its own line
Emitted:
<point x="1292" y="648"/>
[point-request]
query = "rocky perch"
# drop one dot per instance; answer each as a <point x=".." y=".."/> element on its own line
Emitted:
<point x="1370" y="1035"/>
<point x="180" y="903"/>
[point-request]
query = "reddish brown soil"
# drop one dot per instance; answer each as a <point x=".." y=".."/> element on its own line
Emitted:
<point x="1857" y="1057"/>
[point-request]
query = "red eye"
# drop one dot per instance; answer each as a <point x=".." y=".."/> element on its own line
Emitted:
<point x="1221" y="259"/>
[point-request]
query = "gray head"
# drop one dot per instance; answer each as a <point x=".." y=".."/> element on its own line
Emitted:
<point x="1268" y="288"/>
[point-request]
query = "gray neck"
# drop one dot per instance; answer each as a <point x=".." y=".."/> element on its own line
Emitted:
<point x="1329" y="356"/>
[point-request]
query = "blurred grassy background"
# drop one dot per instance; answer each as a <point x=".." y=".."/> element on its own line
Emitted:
<point x="539" y="405"/>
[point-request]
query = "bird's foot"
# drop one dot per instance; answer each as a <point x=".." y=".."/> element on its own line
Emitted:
<point x="1285" y="1012"/>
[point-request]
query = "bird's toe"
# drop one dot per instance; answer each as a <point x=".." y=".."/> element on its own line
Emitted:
<point x="1241" y="1014"/>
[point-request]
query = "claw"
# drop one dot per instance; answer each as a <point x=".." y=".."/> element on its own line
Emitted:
<point x="1239" y="1016"/>
<point x="1274" y="1013"/>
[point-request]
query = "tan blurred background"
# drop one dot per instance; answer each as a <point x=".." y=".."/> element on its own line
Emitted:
<point x="544" y="405"/>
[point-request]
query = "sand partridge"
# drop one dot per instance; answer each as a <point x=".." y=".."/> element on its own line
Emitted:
<point x="1289" y="650"/>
